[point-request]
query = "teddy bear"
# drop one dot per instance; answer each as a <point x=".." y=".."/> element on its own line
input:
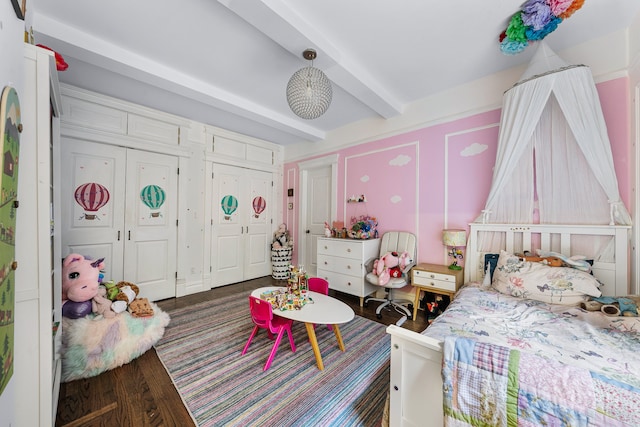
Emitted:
<point x="80" y="281"/>
<point x="281" y="238"/>
<point x="140" y="307"/>
<point x="127" y="293"/>
<point x="391" y="265"/>
<point x="101" y="305"/>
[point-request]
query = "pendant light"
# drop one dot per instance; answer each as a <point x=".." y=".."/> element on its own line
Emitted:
<point x="309" y="90"/>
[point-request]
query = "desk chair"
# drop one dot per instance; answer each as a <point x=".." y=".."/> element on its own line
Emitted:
<point x="400" y="242"/>
<point x="262" y="316"/>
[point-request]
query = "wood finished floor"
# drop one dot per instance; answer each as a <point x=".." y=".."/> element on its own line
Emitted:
<point x="141" y="393"/>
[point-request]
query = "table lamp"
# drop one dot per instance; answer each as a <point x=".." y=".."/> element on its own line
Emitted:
<point x="454" y="239"/>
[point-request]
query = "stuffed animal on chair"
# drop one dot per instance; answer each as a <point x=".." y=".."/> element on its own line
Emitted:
<point x="80" y="281"/>
<point x="390" y="265"/>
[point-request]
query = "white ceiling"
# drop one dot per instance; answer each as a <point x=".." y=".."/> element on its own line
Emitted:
<point x="227" y="62"/>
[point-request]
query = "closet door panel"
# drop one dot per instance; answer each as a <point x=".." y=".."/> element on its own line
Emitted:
<point x="91" y="201"/>
<point x="229" y="211"/>
<point x="259" y="234"/>
<point x="150" y="223"/>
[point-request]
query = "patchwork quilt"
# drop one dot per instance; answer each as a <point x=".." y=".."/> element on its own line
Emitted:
<point x="491" y="385"/>
<point x="517" y="362"/>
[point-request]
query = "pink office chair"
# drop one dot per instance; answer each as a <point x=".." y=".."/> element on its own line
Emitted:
<point x="263" y="317"/>
<point x="321" y="286"/>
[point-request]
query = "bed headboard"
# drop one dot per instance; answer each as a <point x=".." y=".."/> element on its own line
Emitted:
<point x="518" y="238"/>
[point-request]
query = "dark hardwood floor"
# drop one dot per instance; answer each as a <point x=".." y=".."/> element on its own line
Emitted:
<point x="141" y="393"/>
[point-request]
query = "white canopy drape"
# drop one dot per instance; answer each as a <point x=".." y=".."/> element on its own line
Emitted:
<point x="554" y="163"/>
<point x="553" y="135"/>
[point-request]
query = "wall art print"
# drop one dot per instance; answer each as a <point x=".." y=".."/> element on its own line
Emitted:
<point x="91" y="196"/>
<point x="153" y="196"/>
<point x="10" y="128"/>
<point x="229" y="204"/>
<point x="259" y="204"/>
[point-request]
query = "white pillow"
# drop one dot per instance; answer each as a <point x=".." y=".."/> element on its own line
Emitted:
<point x="533" y="280"/>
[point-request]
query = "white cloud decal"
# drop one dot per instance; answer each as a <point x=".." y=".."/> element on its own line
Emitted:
<point x="396" y="199"/>
<point x="365" y="178"/>
<point x="474" y="149"/>
<point x="400" y="160"/>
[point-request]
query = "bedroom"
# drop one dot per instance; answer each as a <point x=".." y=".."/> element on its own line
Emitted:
<point x="427" y="122"/>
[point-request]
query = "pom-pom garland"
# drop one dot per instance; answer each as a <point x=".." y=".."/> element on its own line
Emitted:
<point x="534" y="21"/>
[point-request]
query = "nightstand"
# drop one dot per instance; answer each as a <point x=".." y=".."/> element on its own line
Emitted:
<point x="435" y="278"/>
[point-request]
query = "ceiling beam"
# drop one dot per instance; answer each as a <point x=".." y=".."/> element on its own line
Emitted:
<point x="279" y="22"/>
<point x="101" y="53"/>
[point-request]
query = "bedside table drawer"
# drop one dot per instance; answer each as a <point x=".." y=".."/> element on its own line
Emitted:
<point x="434" y="280"/>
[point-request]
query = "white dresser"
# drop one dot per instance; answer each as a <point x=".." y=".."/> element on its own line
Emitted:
<point x="342" y="263"/>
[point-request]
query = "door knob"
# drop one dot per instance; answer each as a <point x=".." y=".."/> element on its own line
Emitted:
<point x="308" y="231"/>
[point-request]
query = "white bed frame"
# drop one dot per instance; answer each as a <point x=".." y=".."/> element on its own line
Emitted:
<point x="416" y="360"/>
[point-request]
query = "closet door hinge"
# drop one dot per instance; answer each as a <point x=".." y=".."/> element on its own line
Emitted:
<point x="177" y="171"/>
<point x="176" y="222"/>
<point x="176" y="274"/>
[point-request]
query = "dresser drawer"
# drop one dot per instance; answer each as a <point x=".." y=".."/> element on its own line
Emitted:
<point x="434" y="280"/>
<point x="340" y="248"/>
<point x="348" y="266"/>
<point x="348" y="284"/>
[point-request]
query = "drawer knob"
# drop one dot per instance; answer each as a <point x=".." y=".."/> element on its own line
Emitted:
<point x="348" y="267"/>
<point x="432" y="276"/>
<point x="348" y="250"/>
<point x="348" y="283"/>
<point x="325" y="263"/>
<point x="325" y="248"/>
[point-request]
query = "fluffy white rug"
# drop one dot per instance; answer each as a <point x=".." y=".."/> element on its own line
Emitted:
<point x="92" y="345"/>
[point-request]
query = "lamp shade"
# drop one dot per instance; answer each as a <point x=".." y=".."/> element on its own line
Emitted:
<point x="454" y="238"/>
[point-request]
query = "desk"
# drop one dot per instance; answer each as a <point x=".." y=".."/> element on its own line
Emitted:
<point x="325" y="310"/>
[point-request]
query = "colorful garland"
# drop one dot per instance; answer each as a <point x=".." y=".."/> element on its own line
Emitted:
<point x="535" y="21"/>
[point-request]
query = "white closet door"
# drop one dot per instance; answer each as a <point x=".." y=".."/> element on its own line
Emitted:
<point x="259" y="229"/>
<point x="241" y="219"/>
<point x="92" y="202"/>
<point x="150" y="223"/>
<point x="228" y="221"/>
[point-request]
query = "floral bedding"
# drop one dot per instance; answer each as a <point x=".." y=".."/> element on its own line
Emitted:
<point x="605" y="347"/>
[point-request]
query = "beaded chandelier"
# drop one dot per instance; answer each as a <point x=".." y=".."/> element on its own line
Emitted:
<point x="309" y="90"/>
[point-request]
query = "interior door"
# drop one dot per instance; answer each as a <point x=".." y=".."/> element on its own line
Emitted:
<point x="259" y="188"/>
<point x="106" y="213"/>
<point x="318" y="210"/>
<point x="92" y="202"/>
<point x="227" y="262"/>
<point x="241" y="220"/>
<point x="151" y="223"/>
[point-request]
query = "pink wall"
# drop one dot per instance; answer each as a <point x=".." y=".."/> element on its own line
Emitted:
<point x="439" y="176"/>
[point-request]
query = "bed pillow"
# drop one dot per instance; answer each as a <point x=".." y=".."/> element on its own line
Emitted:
<point x="533" y="280"/>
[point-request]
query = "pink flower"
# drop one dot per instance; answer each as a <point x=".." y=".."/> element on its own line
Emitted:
<point x="559" y="6"/>
<point x="517" y="282"/>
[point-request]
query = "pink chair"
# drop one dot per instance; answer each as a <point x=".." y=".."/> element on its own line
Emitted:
<point x="263" y="317"/>
<point x="321" y="286"/>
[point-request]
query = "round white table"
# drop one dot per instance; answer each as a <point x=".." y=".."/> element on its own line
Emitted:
<point x="323" y="310"/>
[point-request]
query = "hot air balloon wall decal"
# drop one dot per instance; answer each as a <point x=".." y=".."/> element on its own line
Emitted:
<point x="259" y="203"/>
<point x="91" y="196"/>
<point x="228" y="204"/>
<point x="153" y="196"/>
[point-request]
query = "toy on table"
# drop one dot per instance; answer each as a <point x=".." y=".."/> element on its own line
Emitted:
<point x="80" y="281"/>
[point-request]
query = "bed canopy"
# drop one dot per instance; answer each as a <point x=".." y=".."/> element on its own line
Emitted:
<point x="554" y="163"/>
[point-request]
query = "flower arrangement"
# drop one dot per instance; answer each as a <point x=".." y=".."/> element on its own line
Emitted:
<point x="363" y="227"/>
<point x="534" y="21"/>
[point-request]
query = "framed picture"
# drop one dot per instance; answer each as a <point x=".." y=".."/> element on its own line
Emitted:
<point x="19" y="8"/>
<point x="290" y="192"/>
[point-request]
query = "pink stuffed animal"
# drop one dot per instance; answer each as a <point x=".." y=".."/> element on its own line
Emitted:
<point x="80" y="280"/>
<point x="390" y="265"/>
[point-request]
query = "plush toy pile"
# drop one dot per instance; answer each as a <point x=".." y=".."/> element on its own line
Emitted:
<point x="105" y="324"/>
<point x="84" y="293"/>
<point x="281" y="238"/>
<point x="391" y="264"/>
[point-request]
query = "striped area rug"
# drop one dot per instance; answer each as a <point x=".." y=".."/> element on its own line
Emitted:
<point x="201" y="350"/>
